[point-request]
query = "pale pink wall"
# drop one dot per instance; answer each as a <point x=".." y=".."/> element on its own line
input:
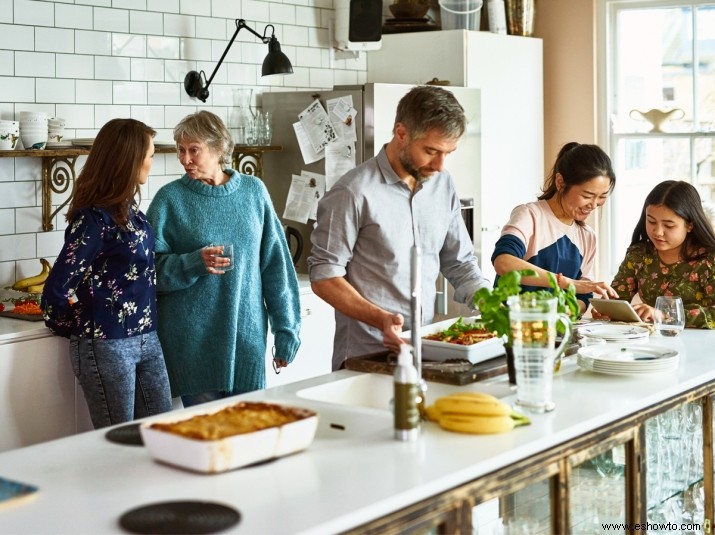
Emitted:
<point x="568" y="30"/>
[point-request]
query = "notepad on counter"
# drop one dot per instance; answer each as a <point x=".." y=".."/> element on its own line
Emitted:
<point x="15" y="492"/>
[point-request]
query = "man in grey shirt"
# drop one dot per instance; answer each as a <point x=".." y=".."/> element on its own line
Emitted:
<point x="369" y="221"/>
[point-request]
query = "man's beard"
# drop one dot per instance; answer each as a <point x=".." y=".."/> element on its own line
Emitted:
<point x="406" y="162"/>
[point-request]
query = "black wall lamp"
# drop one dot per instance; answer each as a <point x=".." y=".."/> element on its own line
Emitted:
<point x="276" y="62"/>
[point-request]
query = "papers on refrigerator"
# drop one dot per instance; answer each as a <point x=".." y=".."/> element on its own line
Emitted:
<point x="339" y="159"/>
<point x="306" y="148"/>
<point x="317" y="125"/>
<point x="342" y="116"/>
<point x="316" y="129"/>
<point x="305" y="192"/>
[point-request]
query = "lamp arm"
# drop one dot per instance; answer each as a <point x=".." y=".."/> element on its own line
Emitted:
<point x="240" y="23"/>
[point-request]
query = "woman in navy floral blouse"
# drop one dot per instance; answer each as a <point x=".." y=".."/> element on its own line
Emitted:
<point x="101" y="292"/>
<point x="672" y="253"/>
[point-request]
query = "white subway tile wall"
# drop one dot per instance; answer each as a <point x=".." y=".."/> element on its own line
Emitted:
<point x="89" y="61"/>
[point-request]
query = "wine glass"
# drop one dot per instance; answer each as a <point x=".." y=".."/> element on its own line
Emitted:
<point x="669" y="316"/>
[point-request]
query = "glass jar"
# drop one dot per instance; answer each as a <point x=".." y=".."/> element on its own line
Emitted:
<point x="241" y="118"/>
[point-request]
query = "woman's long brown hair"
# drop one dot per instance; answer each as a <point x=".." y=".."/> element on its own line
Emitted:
<point x="110" y="176"/>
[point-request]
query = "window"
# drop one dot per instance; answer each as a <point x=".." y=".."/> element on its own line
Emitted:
<point x="661" y="57"/>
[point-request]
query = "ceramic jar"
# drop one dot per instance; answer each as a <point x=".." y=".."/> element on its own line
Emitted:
<point x="9" y="134"/>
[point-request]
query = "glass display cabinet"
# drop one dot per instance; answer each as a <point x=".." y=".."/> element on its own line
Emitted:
<point x="652" y="467"/>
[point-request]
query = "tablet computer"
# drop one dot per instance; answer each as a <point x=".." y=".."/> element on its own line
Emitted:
<point x="616" y="309"/>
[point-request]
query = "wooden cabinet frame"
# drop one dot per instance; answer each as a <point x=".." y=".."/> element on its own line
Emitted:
<point x="59" y="172"/>
<point x="451" y="511"/>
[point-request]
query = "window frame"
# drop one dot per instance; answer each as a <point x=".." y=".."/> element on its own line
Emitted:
<point x="607" y="68"/>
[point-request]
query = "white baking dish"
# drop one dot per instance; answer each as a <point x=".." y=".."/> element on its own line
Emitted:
<point x="440" y="351"/>
<point x="235" y="451"/>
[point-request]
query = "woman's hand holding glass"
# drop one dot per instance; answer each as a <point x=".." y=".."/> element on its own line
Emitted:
<point x="217" y="258"/>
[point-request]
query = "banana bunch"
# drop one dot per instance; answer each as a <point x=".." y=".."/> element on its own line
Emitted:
<point x="474" y="412"/>
<point x="36" y="283"/>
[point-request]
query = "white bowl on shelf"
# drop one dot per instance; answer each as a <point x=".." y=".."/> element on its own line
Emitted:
<point x="26" y="116"/>
<point x="33" y="141"/>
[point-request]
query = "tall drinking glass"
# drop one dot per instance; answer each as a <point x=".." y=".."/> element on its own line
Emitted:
<point x="669" y="315"/>
<point x="533" y="330"/>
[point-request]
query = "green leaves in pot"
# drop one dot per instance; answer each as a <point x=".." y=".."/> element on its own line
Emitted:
<point x="491" y="302"/>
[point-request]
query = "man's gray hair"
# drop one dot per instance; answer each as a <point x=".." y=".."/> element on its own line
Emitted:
<point x="428" y="107"/>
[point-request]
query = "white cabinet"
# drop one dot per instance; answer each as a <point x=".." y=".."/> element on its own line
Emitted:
<point x="316" y="344"/>
<point x="39" y="399"/>
<point x="509" y="71"/>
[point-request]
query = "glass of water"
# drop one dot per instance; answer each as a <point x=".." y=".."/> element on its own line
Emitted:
<point x="533" y="330"/>
<point x="226" y="253"/>
<point x="669" y="315"/>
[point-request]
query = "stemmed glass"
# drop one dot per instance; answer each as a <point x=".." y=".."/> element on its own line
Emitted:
<point x="669" y="317"/>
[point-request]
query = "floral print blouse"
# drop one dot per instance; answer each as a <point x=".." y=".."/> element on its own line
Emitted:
<point x="103" y="283"/>
<point x="643" y="272"/>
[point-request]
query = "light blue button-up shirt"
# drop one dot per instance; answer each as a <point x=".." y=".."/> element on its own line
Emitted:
<point x="366" y="227"/>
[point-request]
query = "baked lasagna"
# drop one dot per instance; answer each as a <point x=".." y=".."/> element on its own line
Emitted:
<point x="244" y="417"/>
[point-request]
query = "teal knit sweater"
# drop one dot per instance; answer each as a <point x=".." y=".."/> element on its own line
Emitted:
<point x="213" y="327"/>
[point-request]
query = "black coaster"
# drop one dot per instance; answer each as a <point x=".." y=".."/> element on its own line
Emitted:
<point x="180" y="518"/>
<point x="127" y="435"/>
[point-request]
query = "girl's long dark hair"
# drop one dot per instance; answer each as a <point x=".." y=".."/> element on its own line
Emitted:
<point x="683" y="199"/>
<point x="109" y="178"/>
<point x="578" y="163"/>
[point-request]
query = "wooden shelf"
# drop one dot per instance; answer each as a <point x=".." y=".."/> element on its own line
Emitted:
<point x="59" y="172"/>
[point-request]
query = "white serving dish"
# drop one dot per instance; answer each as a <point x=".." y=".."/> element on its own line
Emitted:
<point x="213" y="456"/>
<point x="439" y="351"/>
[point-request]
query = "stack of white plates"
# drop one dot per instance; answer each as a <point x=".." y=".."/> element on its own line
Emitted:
<point x="619" y="359"/>
<point x="83" y="142"/>
<point x="622" y="334"/>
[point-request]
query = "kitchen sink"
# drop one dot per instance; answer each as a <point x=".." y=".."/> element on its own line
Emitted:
<point x="375" y="391"/>
<point x="340" y="422"/>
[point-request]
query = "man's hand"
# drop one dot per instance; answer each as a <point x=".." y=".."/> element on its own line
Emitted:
<point x="391" y="331"/>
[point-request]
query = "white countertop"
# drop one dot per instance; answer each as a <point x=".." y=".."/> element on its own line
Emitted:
<point x="14" y="330"/>
<point x="86" y="483"/>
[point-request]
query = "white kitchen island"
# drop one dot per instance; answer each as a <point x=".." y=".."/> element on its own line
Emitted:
<point x="351" y="477"/>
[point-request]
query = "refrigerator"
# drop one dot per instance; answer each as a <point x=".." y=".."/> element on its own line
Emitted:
<point x="375" y="104"/>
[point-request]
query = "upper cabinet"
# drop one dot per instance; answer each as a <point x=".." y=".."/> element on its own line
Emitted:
<point x="509" y="71"/>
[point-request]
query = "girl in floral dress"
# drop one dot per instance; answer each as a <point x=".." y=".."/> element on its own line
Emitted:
<point x="672" y="252"/>
<point x="101" y="292"/>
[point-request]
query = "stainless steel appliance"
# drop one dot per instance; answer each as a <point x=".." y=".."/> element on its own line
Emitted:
<point x="375" y="104"/>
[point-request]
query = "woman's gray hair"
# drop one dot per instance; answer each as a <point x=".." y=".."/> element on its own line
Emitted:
<point x="206" y="127"/>
<point x="428" y="107"/>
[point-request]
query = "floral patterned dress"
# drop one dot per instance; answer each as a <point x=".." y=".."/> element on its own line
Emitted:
<point x="643" y="273"/>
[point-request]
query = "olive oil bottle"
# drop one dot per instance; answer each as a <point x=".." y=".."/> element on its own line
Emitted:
<point x="407" y="415"/>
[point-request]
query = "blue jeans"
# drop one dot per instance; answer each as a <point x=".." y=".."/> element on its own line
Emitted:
<point x="122" y="379"/>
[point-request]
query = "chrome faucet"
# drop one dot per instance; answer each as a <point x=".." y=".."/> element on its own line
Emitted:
<point x="416" y="323"/>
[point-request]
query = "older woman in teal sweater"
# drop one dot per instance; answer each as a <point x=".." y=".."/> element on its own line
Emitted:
<point x="213" y="317"/>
